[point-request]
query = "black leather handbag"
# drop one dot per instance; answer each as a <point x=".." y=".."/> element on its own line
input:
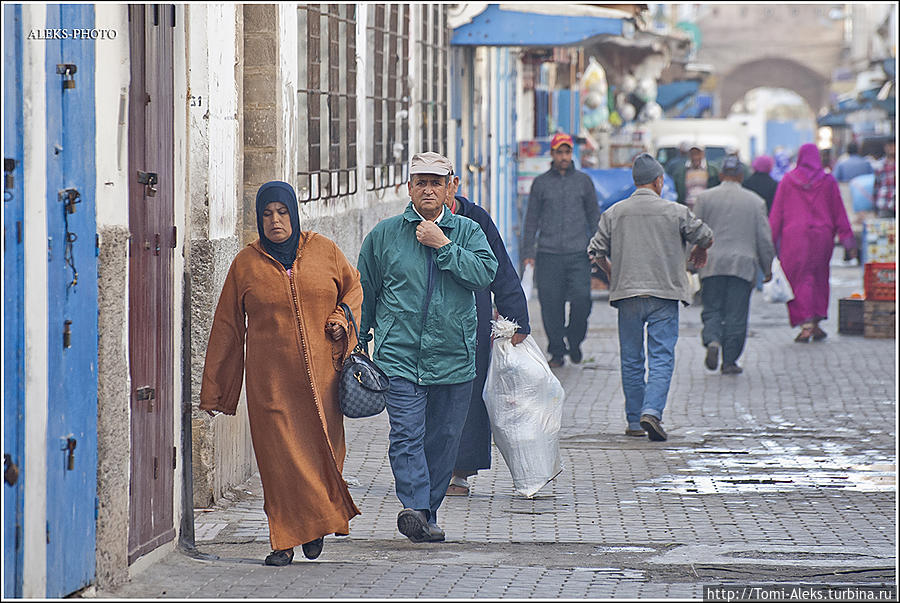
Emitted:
<point x="363" y="386"/>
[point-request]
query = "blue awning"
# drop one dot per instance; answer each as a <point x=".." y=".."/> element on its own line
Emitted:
<point x="669" y="95"/>
<point x="495" y="27"/>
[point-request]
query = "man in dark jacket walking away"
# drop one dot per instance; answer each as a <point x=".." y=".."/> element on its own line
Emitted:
<point x="743" y="247"/>
<point x="562" y="214"/>
<point x="475" y="443"/>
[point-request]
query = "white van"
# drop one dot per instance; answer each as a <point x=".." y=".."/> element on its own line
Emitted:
<point x="714" y="135"/>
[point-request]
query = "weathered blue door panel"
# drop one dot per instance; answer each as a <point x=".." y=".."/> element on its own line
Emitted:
<point x="13" y="303"/>
<point x="72" y="305"/>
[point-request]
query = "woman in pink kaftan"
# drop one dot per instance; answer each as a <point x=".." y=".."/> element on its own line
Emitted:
<point x="806" y="215"/>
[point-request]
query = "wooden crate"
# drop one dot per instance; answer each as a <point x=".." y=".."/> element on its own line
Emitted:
<point x="879" y="280"/>
<point x="879" y="319"/>
<point x="850" y="316"/>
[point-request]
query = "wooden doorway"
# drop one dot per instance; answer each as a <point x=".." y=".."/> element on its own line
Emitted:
<point x="151" y="304"/>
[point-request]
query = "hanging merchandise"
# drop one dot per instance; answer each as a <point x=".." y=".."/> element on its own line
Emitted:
<point x="594" y="90"/>
<point x="524" y="403"/>
<point x="627" y="112"/>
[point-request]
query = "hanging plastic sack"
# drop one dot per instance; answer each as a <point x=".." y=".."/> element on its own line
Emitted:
<point x="778" y="290"/>
<point x="528" y="281"/>
<point x="524" y="403"/>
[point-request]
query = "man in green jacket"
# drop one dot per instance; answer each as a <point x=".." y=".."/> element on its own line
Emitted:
<point x="419" y="272"/>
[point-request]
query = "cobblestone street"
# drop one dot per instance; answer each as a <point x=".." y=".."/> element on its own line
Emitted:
<point x="783" y="474"/>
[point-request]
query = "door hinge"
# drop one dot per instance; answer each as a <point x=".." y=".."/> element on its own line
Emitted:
<point x="155" y="467"/>
<point x="174" y="457"/>
<point x="96" y="508"/>
<point x="174" y="237"/>
<point x="48" y="532"/>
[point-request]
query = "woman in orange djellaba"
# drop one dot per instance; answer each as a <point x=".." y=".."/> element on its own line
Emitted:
<point x="287" y="286"/>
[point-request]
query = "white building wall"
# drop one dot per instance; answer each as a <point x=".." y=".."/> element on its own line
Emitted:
<point x="34" y="536"/>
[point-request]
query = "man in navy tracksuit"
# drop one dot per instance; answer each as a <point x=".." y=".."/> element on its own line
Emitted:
<point x="475" y="443"/>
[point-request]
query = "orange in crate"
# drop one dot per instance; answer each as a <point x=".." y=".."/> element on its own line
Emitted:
<point x="879" y="281"/>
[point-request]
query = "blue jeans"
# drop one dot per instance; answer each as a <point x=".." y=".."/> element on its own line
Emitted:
<point x="426" y="423"/>
<point x="647" y="397"/>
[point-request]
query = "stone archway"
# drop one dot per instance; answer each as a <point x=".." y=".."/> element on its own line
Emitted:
<point x="773" y="73"/>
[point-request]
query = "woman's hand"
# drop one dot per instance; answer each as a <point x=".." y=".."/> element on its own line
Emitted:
<point x="335" y="330"/>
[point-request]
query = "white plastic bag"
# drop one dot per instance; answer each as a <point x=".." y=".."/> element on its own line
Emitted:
<point x="778" y="290"/>
<point x="528" y="281"/>
<point x="524" y="402"/>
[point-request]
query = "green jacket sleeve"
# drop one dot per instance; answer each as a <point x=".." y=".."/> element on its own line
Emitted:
<point x="470" y="262"/>
<point x="370" y="277"/>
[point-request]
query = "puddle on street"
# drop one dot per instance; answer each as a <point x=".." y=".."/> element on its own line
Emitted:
<point x="779" y="468"/>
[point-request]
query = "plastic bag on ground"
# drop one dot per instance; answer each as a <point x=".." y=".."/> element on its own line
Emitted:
<point x="778" y="290"/>
<point x="524" y="403"/>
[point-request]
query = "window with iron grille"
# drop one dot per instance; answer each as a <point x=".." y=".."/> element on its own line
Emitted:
<point x="326" y="101"/>
<point x="387" y="94"/>
<point x="434" y="70"/>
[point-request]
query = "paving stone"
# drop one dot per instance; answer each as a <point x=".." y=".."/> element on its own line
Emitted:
<point x="797" y="452"/>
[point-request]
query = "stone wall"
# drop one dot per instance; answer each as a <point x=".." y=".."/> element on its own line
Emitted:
<point x="262" y="117"/>
<point x="113" y="407"/>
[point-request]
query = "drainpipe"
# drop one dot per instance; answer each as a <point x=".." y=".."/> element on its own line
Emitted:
<point x="186" y="533"/>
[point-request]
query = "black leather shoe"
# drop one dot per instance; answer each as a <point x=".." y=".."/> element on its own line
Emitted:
<point x="712" y="355"/>
<point x="413" y="524"/>
<point x="653" y="428"/>
<point x="731" y="369"/>
<point x="576" y="355"/>
<point x="313" y="548"/>
<point x="280" y="558"/>
<point x="435" y="533"/>
<point x="556" y="361"/>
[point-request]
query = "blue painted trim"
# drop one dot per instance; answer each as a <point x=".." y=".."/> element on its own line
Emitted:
<point x="495" y="27"/>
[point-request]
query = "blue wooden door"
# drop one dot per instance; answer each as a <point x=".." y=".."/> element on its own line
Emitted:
<point x="506" y="217"/>
<point x="13" y="302"/>
<point x="71" y="305"/>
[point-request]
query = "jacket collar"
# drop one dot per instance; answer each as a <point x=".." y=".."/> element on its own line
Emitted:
<point x="448" y="221"/>
<point x="645" y="192"/>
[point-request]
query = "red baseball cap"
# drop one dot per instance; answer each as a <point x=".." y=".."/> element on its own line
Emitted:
<point x="560" y="139"/>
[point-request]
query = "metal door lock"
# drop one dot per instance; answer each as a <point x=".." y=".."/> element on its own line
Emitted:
<point x="67" y="334"/>
<point x="146" y="393"/>
<point x="70" y="447"/>
<point x="149" y="180"/>
<point x="10" y="470"/>
<point x="68" y="72"/>
<point x="70" y="197"/>
<point x="9" y="166"/>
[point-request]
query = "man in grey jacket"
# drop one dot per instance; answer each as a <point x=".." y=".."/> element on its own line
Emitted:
<point x="646" y="238"/>
<point x="743" y="246"/>
<point x="562" y="213"/>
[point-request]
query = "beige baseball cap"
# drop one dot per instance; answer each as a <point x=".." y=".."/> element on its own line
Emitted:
<point x="430" y="163"/>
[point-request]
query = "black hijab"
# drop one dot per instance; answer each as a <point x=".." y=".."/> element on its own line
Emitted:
<point x="286" y="251"/>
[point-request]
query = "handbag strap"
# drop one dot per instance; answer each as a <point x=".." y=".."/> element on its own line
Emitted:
<point x="349" y="314"/>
